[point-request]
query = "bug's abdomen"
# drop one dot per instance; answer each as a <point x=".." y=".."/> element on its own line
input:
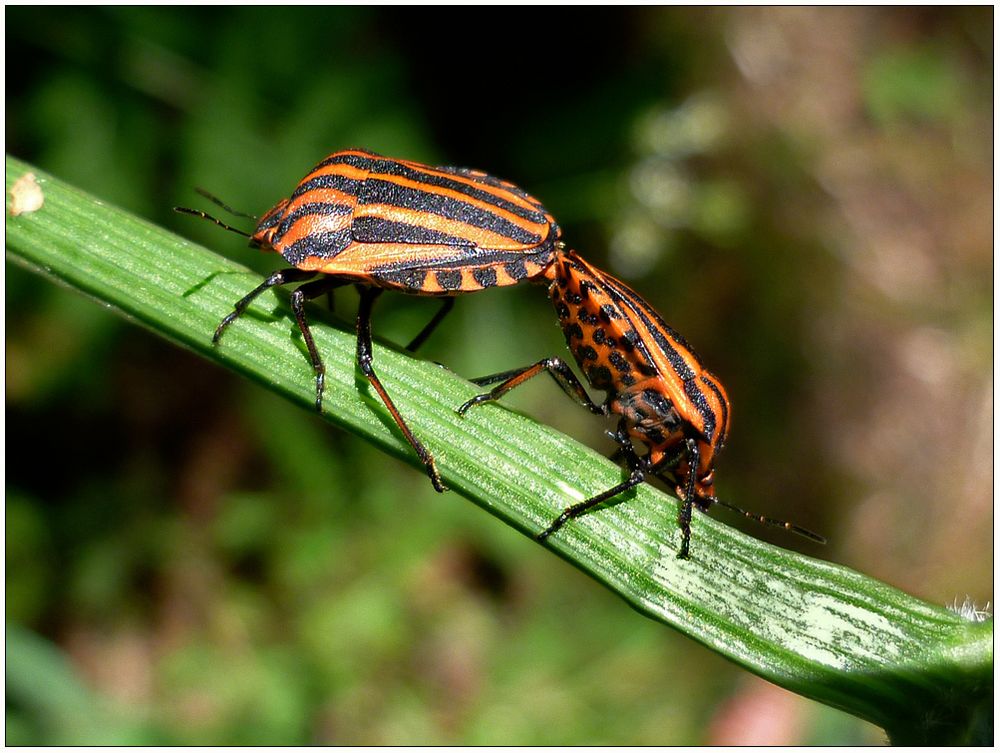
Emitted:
<point x="422" y="230"/>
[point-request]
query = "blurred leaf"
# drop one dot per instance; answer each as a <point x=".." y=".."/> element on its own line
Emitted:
<point x="912" y="83"/>
<point x="722" y="212"/>
<point x="28" y="557"/>
<point x="50" y="706"/>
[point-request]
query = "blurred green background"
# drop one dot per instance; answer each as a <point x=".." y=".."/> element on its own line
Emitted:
<point x="806" y="194"/>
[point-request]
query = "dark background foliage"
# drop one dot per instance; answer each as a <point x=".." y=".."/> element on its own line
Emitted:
<point x="806" y="194"/>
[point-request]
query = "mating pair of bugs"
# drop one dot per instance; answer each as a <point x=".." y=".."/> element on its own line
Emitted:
<point x="385" y="224"/>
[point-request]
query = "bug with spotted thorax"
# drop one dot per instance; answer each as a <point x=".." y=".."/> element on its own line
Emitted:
<point x="385" y="224"/>
<point x="655" y="383"/>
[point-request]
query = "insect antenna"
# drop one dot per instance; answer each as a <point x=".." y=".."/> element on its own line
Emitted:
<point x="772" y="522"/>
<point x="218" y="202"/>
<point x="206" y="216"/>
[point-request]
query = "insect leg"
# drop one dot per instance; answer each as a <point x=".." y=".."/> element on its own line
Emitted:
<point x="557" y="369"/>
<point x="637" y="474"/>
<point x="281" y="277"/>
<point x="668" y="464"/>
<point x="368" y="296"/>
<point x="684" y="519"/>
<point x="417" y="341"/>
<point x="300" y="295"/>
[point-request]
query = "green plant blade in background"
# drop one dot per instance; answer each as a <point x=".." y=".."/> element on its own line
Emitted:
<point x="39" y="676"/>
<point x="922" y="672"/>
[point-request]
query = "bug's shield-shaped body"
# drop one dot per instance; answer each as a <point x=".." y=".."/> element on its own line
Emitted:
<point x="382" y="223"/>
<point x="653" y="378"/>
<point x="402" y="225"/>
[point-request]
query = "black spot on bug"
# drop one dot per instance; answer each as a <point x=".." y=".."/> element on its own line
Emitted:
<point x="618" y="361"/>
<point x="629" y="339"/>
<point x="587" y="353"/>
<point x="487" y="277"/>
<point x="586" y="287"/>
<point x="609" y="312"/>
<point x="449" y="280"/>
<point x="405" y="278"/>
<point x="575" y="298"/>
<point x="599" y="335"/>
<point x="644" y="368"/>
<point x="562" y="310"/>
<point x="516" y="269"/>
<point x="574" y="331"/>
<point x="600" y="377"/>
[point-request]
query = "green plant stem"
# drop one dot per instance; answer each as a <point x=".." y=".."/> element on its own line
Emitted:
<point x="922" y="672"/>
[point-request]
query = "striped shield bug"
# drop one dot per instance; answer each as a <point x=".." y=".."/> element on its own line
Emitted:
<point x="655" y="383"/>
<point x="386" y="224"/>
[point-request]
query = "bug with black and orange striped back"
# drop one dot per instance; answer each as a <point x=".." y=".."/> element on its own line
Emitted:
<point x="386" y="224"/>
<point x="655" y="383"/>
